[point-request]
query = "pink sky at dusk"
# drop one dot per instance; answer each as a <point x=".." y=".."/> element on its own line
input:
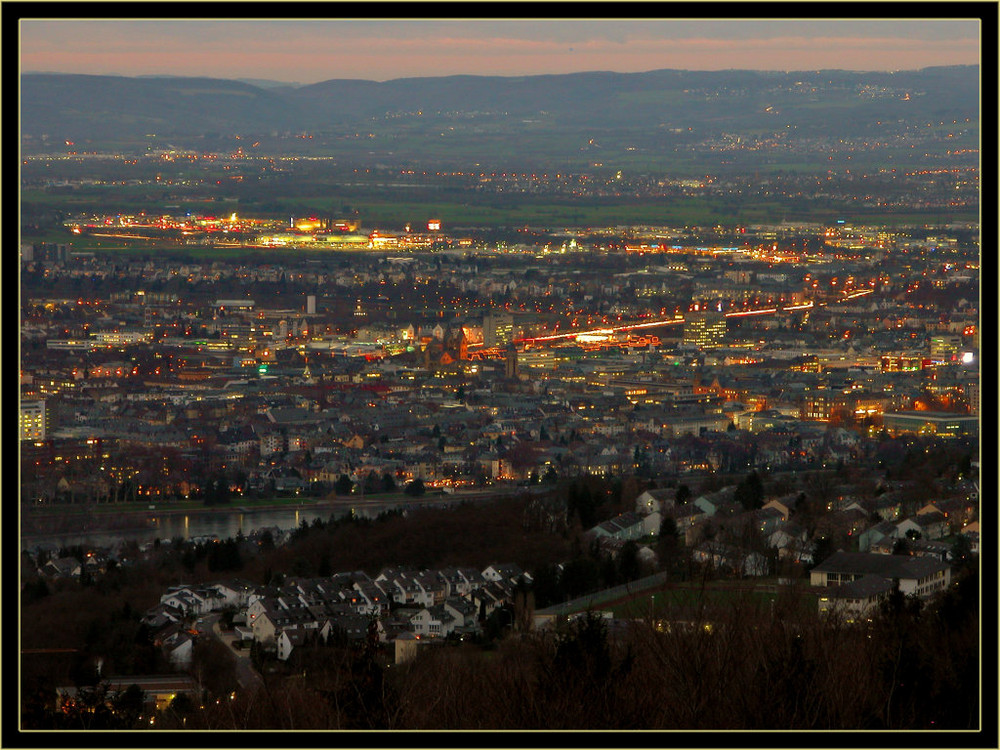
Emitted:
<point x="308" y="52"/>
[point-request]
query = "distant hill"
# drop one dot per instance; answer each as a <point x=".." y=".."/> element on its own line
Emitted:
<point x="110" y="108"/>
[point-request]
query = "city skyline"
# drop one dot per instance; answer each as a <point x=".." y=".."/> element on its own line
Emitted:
<point x="312" y="51"/>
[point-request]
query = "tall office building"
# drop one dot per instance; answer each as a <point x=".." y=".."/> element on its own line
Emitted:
<point x="944" y="346"/>
<point x="498" y="329"/>
<point x="34" y="420"/>
<point x="705" y="330"/>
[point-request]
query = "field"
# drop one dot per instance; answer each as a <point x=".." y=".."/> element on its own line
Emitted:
<point x="677" y="598"/>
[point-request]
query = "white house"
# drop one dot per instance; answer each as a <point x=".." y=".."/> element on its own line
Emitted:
<point x="177" y="645"/>
<point x="506" y="573"/>
<point x="714" y="502"/>
<point x="930" y="525"/>
<point x="233" y="593"/>
<point x="466" y="613"/>
<point x="877" y="534"/>
<point x="288" y="640"/>
<point x="628" y="525"/>
<point x="655" y="501"/>
<point x="433" y="622"/>
<point x="188" y="601"/>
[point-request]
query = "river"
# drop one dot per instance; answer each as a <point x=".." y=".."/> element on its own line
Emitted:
<point x="220" y="523"/>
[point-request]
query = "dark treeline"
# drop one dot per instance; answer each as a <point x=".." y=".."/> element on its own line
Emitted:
<point x="737" y="666"/>
<point x="915" y="666"/>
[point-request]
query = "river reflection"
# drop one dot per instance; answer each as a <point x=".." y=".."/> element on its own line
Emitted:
<point x="192" y="526"/>
<point x="225" y="524"/>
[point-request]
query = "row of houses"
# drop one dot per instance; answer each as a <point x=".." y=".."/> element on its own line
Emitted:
<point x="351" y="606"/>
<point x="873" y="524"/>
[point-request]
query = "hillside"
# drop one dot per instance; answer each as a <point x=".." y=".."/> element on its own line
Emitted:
<point x="87" y="106"/>
<point x="579" y="118"/>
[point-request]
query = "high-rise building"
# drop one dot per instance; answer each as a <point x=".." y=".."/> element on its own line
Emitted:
<point x="498" y="329"/>
<point x="945" y="346"/>
<point x="705" y="330"/>
<point x="510" y="362"/>
<point x="311" y="304"/>
<point x="972" y="394"/>
<point x="34" y="420"/>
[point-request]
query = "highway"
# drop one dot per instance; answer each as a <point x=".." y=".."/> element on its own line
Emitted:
<point x="608" y="330"/>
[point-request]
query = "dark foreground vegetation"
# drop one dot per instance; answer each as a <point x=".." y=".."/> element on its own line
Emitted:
<point x="733" y="667"/>
<point x="695" y="662"/>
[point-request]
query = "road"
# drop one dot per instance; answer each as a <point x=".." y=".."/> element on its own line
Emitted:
<point x="246" y="675"/>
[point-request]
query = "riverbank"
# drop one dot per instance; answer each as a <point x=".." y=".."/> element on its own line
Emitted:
<point x="133" y="517"/>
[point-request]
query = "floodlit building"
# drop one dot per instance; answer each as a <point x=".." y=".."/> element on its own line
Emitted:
<point x="942" y="424"/>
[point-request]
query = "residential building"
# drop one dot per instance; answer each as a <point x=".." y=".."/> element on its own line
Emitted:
<point x="918" y="576"/>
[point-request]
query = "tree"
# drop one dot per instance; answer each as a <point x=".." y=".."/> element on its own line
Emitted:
<point x="388" y="483"/>
<point x="823" y="550"/>
<point x="266" y="541"/>
<point x="668" y="528"/>
<point x="580" y="575"/>
<point x="415" y="488"/>
<point x="128" y="705"/>
<point x="628" y="561"/>
<point x="343" y="485"/>
<point x="750" y="492"/>
<point x="545" y="585"/>
<point x="582" y="503"/>
<point x="961" y="551"/>
<point x="640" y="459"/>
<point x="213" y="666"/>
